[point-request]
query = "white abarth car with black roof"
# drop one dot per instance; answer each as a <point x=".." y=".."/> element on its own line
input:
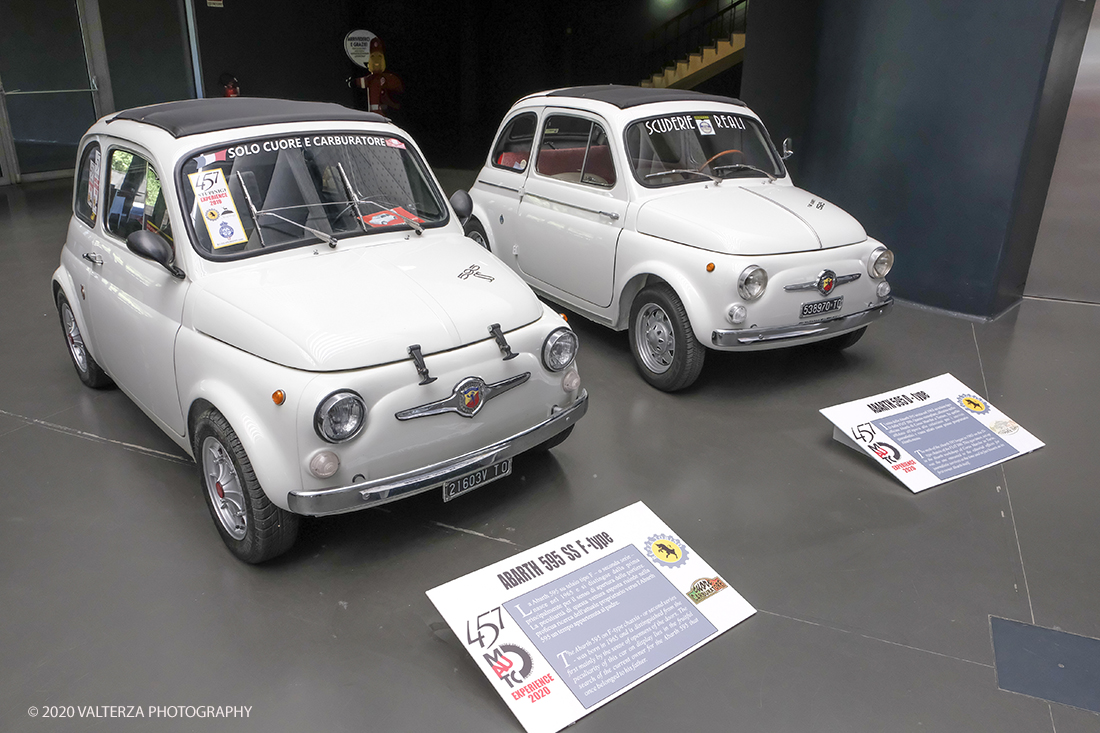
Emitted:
<point x="670" y="214"/>
<point x="282" y="288"/>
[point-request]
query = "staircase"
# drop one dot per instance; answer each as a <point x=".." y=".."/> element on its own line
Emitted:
<point x="706" y="39"/>
<point x="700" y="66"/>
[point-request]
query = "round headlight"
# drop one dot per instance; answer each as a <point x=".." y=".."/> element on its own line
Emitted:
<point x="340" y="416"/>
<point x="752" y="283"/>
<point x="559" y="349"/>
<point x="880" y="262"/>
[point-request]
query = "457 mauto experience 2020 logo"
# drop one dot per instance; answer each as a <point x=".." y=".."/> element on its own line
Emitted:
<point x="510" y="663"/>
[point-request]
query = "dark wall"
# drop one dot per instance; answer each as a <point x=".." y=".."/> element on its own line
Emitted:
<point x="147" y="51"/>
<point x="929" y="123"/>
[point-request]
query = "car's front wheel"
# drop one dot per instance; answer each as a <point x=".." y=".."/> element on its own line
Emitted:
<point x="86" y="367"/>
<point x="473" y="229"/>
<point x="251" y="526"/>
<point x="665" y="349"/>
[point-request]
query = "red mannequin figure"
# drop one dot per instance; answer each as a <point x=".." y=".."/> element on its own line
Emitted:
<point x="230" y="86"/>
<point x="379" y="84"/>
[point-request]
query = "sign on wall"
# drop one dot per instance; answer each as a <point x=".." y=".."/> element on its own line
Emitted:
<point x="930" y="432"/>
<point x="565" y="627"/>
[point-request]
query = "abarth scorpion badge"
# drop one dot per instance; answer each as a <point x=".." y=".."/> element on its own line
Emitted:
<point x="467" y="397"/>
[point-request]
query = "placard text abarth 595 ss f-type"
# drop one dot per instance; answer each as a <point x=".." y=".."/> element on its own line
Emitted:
<point x="281" y="287"/>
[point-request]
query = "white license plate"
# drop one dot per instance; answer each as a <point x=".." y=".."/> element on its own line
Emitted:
<point x="469" y="482"/>
<point x="821" y="306"/>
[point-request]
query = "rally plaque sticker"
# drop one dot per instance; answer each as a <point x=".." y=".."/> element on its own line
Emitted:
<point x="565" y="627"/>
<point x="219" y="213"/>
<point x="930" y="432"/>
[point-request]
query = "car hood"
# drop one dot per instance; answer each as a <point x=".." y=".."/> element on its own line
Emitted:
<point x="362" y="306"/>
<point x="750" y="220"/>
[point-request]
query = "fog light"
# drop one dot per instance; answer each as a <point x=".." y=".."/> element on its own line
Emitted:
<point x="883" y="289"/>
<point x="571" y="381"/>
<point x="324" y="464"/>
<point x="737" y="314"/>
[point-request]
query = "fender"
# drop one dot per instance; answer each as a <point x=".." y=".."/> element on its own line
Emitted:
<point x="63" y="281"/>
<point x="242" y="393"/>
<point x="668" y="261"/>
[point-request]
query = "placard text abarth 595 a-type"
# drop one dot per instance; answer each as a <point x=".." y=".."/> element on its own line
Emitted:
<point x="670" y="214"/>
<point x="282" y="288"/>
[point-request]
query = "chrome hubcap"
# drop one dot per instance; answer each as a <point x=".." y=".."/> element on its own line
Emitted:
<point x="224" y="487"/>
<point x="655" y="337"/>
<point x="72" y="335"/>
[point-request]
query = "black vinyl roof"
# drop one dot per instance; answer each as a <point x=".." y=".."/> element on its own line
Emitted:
<point x="196" y="116"/>
<point x="624" y="96"/>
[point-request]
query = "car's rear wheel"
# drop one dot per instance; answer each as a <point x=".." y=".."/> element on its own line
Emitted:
<point x="87" y="369"/>
<point x="251" y="526"/>
<point x="473" y="229"/>
<point x="845" y="340"/>
<point x="665" y="349"/>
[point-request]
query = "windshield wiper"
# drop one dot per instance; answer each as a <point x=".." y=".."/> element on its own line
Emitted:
<point x="743" y="166"/>
<point x="716" y="179"/>
<point x="256" y="214"/>
<point x="356" y="200"/>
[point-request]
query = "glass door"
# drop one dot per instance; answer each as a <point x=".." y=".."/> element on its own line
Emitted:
<point x="48" y="97"/>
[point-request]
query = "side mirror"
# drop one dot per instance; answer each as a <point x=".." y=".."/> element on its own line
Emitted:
<point x="787" y="151"/>
<point x="150" y="246"/>
<point x="463" y="204"/>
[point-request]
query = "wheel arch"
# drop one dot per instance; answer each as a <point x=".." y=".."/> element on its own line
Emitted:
<point x="654" y="272"/>
<point x="62" y="282"/>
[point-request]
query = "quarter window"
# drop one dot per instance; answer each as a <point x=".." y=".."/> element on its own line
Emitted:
<point x="513" y="148"/>
<point x="575" y="149"/>
<point x="86" y="204"/>
<point x="134" y="197"/>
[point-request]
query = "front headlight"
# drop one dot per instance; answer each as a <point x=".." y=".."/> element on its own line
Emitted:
<point x="559" y="349"/>
<point x="752" y="283"/>
<point x="880" y="262"/>
<point x="340" y="416"/>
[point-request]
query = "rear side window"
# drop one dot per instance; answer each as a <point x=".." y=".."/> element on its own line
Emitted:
<point x="575" y="149"/>
<point x="513" y="148"/>
<point x="134" y="197"/>
<point x="86" y="204"/>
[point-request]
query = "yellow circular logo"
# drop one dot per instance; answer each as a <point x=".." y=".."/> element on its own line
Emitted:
<point x="973" y="403"/>
<point x="666" y="551"/>
<point x="212" y="215"/>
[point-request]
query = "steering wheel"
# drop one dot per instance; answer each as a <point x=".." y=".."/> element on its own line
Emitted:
<point x="718" y="155"/>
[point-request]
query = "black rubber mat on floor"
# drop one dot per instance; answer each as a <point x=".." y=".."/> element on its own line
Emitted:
<point x="1048" y="664"/>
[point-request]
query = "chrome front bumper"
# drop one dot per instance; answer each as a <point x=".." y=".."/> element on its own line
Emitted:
<point x="816" y="331"/>
<point x="367" y="494"/>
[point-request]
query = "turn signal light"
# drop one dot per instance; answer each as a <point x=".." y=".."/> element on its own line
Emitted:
<point x="278" y="397"/>
<point x="710" y="267"/>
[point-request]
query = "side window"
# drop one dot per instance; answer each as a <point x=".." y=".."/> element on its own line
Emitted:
<point x="86" y="205"/>
<point x="575" y="149"/>
<point x="513" y="148"/>
<point x="134" y="197"/>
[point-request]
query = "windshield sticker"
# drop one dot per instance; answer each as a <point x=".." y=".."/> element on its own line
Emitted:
<point x="300" y="143"/>
<point x="219" y="212"/>
<point x="390" y="217"/>
<point x="704" y="124"/>
<point x="93" y="182"/>
<point x="216" y="157"/>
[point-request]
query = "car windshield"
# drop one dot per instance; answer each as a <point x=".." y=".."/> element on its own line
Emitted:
<point x="680" y="148"/>
<point x="301" y="189"/>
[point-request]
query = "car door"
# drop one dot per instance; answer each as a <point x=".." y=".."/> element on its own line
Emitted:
<point x="572" y="208"/>
<point x="80" y="253"/>
<point x="501" y="181"/>
<point x="134" y="304"/>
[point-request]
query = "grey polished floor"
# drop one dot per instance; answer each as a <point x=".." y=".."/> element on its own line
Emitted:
<point x="874" y="603"/>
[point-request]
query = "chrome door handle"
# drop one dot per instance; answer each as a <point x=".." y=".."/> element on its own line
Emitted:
<point x="92" y="257"/>
<point x="610" y="215"/>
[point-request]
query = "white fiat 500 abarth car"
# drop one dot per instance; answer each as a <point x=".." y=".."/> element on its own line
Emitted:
<point x="670" y="214"/>
<point x="282" y="288"/>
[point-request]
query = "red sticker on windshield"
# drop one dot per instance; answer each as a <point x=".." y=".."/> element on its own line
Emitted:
<point x="390" y="217"/>
<point x="395" y="143"/>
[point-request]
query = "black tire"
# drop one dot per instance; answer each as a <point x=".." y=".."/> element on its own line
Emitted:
<point x="845" y="340"/>
<point x="473" y="229"/>
<point x="665" y="349"/>
<point x="254" y="529"/>
<point x="90" y="372"/>
<point x="554" y="442"/>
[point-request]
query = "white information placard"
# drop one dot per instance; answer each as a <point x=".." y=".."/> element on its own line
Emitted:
<point x="930" y="432"/>
<point x="565" y="627"/>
